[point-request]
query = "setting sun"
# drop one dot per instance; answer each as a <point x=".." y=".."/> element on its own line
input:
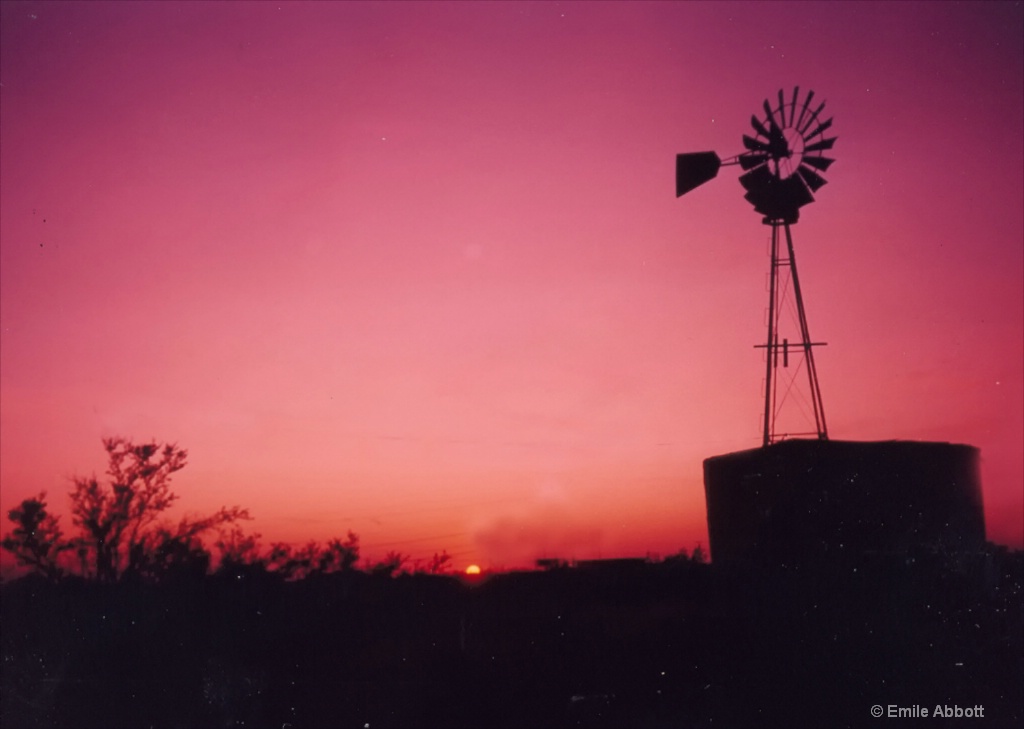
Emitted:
<point x="473" y="570"/>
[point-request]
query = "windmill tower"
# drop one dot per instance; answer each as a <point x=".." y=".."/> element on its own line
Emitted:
<point x="802" y="497"/>
<point x="783" y="162"/>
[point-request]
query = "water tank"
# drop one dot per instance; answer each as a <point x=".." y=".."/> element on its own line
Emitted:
<point x="806" y="500"/>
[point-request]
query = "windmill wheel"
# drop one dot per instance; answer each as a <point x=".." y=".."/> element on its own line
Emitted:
<point x="785" y="158"/>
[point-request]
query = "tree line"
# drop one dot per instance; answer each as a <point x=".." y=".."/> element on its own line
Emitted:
<point x="122" y="532"/>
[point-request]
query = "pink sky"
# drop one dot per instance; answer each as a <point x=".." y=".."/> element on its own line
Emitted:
<point x="418" y="271"/>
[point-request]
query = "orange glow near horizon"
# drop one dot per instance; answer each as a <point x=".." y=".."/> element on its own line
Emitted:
<point x="473" y="569"/>
<point x="417" y="271"/>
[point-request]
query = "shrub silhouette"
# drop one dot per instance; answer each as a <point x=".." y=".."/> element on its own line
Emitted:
<point x="37" y="540"/>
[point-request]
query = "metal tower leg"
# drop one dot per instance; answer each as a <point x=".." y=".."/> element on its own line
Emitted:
<point x="769" y="347"/>
<point x="805" y="335"/>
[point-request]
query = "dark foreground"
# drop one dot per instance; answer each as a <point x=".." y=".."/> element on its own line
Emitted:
<point x="674" y="644"/>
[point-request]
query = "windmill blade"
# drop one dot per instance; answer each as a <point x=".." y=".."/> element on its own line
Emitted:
<point x="818" y="163"/>
<point x="823" y="144"/>
<point x="775" y="198"/>
<point x="782" y="108"/>
<point x="810" y="120"/>
<point x="797" y="191"/>
<point x="807" y="101"/>
<point x="752" y="159"/>
<point x="777" y="145"/>
<point x="781" y="200"/>
<point x="812" y="178"/>
<point x="792" y="107"/>
<point x="821" y="128"/>
<point x="771" y="116"/>
<point x="761" y="199"/>
<point x="754" y="145"/>
<point x="694" y="169"/>
<point x="757" y="179"/>
<point x="758" y="126"/>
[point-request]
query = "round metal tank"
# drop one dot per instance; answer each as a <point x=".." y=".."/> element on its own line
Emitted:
<point x="811" y="500"/>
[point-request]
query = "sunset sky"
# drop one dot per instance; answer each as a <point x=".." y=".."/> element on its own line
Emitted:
<point x="418" y="270"/>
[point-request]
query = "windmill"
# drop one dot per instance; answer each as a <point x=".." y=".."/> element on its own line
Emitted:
<point x="783" y="163"/>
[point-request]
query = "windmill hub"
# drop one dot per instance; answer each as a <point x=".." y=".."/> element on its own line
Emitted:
<point x="786" y="163"/>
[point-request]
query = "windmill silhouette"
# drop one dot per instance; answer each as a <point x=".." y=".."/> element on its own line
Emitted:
<point x="783" y="163"/>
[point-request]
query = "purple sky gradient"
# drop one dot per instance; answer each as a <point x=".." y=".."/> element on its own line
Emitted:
<point x="417" y="269"/>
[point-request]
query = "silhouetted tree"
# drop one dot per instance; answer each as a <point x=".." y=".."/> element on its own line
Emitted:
<point x="311" y="559"/>
<point x="699" y="555"/>
<point x="439" y="564"/>
<point x="174" y="555"/>
<point x="291" y="563"/>
<point x="238" y="548"/>
<point x="391" y="564"/>
<point x="340" y="556"/>
<point x="37" y="540"/>
<point x="279" y="560"/>
<point x="118" y="520"/>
